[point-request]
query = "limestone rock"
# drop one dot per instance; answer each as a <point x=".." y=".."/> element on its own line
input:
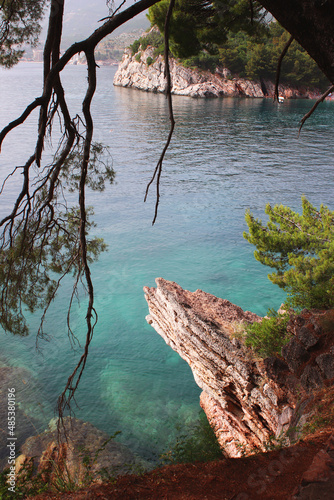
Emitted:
<point x="307" y="338"/>
<point x="311" y="378"/>
<point x="246" y="399"/>
<point x="239" y="400"/>
<point x="295" y="354"/>
<point x="318" y="481"/>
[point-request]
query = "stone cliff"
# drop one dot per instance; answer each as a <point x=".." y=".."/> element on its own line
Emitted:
<point x="133" y="71"/>
<point x="246" y="399"/>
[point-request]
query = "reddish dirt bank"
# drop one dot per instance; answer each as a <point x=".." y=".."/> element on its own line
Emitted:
<point x="268" y="476"/>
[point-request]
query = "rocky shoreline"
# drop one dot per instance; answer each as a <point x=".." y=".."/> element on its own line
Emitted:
<point x="134" y="72"/>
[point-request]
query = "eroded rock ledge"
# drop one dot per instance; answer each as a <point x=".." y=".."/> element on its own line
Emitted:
<point x="246" y="399"/>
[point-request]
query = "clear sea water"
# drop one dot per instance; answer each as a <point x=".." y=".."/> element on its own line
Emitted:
<point x="227" y="155"/>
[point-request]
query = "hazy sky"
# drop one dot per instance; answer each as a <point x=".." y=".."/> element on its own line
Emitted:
<point x="82" y="18"/>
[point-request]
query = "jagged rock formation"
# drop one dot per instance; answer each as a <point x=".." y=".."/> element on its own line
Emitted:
<point x="133" y="71"/>
<point x="246" y="399"/>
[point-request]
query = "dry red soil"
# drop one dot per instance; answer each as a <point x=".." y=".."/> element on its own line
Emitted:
<point x="267" y="476"/>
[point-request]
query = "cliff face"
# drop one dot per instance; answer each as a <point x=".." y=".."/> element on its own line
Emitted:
<point x="185" y="81"/>
<point x="246" y="400"/>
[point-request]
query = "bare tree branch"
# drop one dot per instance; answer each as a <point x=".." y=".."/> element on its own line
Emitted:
<point x="67" y="395"/>
<point x="279" y="64"/>
<point x="314" y="107"/>
<point x="251" y="6"/>
<point x="158" y="168"/>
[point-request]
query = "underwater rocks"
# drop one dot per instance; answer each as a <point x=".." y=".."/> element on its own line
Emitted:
<point x="26" y="400"/>
<point x="82" y="454"/>
<point x="133" y="71"/>
<point x="246" y="399"/>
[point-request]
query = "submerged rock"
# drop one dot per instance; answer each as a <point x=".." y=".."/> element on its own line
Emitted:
<point x="27" y="393"/>
<point x="246" y="399"/>
<point x="80" y="454"/>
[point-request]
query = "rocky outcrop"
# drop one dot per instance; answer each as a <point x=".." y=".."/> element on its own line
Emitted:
<point x="133" y="71"/>
<point x="246" y="399"/>
<point x="80" y="454"/>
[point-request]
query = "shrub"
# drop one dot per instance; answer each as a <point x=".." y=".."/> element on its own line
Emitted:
<point x="149" y="61"/>
<point x="135" y="47"/>
<point x="153" y="39"/>
<point x="203" y="61"/>
<point x="138" y="56"/>
<point x="269" y="336"/>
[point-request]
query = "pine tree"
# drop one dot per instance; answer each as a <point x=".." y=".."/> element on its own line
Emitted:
<point x="301" y="249"/>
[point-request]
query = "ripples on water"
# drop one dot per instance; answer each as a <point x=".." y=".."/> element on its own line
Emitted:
<point x="227" y="155"/>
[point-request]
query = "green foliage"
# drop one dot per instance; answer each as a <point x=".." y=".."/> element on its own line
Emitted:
<point x="138" y="57"/>
<point x="27" y="266"/>
<point x="99" y="171"/>
<point x="29" y="483"/>
<point x="269" y="336"/>
<point x="256" y="57"/>
<point x="198" y="25"/>
<point x="203" y="61"/>
<point x="301" y="249"/>
<point x="135" y="47"/>
<point x="149" y="61"/>
<point x="47" y="243"/>
<point x="196" y="443"/>
<point x="277" y="442"/>
<point x="152" y="39"/>
<point x="206" y="34"/>
<point x="19" y="25"/>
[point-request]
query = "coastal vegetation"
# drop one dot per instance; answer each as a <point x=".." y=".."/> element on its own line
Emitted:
<point x="268" y="337"/>
<point x="249" y="49"/>
<point x="301" y="249"/>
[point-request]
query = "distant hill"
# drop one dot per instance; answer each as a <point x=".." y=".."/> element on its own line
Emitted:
<point x="82" y="18"/>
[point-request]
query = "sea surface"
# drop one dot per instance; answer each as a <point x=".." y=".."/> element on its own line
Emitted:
<point x="227" y="155"/>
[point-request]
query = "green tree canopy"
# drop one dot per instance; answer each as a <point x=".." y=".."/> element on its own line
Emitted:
<point x="19" y="25"/>
<point x="207" y="33"/>
<point x="301" y="249"/>
<point x="203" y="24"/>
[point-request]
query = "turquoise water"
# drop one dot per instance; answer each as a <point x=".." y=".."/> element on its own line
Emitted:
<point x="227" y="155"/>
